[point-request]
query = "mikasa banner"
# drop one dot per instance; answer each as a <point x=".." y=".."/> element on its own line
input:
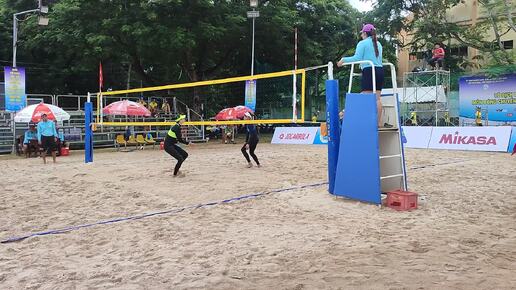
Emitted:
<point x="470" y="138"/>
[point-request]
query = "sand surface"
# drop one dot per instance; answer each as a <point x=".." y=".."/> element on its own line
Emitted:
<point x="463" y="236"/>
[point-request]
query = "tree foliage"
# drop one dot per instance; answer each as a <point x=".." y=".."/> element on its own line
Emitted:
<point x="170" y="41"/>
<point x="427" y="22"/>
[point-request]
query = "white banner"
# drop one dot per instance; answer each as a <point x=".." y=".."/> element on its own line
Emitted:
<point x="417" y="137"/>
<point x="471" y="138"/>
<point x="294" y="135"/>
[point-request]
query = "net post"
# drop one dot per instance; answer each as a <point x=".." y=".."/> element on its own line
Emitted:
<point x="330" y="70"/>
<point x="294" y="96"/>
<point x="303" y="94"/>
<point x="88" y="118"/>
<point x="333" y="127"/>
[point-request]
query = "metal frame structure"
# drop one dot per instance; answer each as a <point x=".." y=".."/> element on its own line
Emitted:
<point x="419" y="86"/>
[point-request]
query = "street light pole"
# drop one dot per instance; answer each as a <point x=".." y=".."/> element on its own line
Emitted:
<point x="41" y="21"/>
<point x="252" y="50"/>
<point x="253" y="14"/>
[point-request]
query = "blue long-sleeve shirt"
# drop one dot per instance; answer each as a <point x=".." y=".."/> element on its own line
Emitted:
<point x="29" y="135"/>
<point x="365" y="51"/>
<point x="251" y="133"/>
<point x="47" y="128"/>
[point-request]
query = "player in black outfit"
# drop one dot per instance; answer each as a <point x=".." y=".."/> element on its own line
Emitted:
<point x="251" y="140"/>
<point x="171" y="147"/>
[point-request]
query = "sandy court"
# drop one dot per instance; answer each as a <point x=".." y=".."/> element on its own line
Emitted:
<point x="463" y="236"/>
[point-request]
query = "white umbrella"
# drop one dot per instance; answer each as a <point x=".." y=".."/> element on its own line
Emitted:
<point x="33" y="113"/>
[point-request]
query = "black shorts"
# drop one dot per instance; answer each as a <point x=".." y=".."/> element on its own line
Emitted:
<point x="48" y="143"/>
<point x="367" y="78"/>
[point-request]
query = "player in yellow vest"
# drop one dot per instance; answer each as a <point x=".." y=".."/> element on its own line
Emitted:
<point x="173" y="137"/>
<point x="447" y="119"/>
<point x="478" y="117"/>
<point x="413" y="118"/>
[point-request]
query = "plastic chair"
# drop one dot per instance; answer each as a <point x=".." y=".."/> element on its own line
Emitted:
<point x="120" y="141"/>
<point x="150" y="140"/>
<point x="132" y="141"/>
<point x="141" y="142"/>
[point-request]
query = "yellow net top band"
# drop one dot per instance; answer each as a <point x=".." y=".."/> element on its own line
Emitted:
<point x="205" y="83"/>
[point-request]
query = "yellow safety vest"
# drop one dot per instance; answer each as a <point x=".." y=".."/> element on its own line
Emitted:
<point x="478" y="116"/>
<point x="172" y="133"/>
<point x="413" y="117"/>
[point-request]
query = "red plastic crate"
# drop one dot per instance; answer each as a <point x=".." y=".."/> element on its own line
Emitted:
<point x="402" y="200"/>
<point x="65" y="151"/>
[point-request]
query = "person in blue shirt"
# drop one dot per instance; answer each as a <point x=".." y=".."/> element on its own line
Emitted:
<point x="47" y="137"/>
<point x="30" y="140"/>
<point x="369" y="48"/>
<point x="251" y="140"/>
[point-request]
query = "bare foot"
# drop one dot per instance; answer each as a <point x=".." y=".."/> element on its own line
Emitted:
<point x="249" y="165"/>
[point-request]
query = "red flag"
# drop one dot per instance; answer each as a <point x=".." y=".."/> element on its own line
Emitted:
<point x="101" y="78"/>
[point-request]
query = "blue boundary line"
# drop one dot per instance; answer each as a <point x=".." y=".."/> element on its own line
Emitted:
<point x="146" y="215"/>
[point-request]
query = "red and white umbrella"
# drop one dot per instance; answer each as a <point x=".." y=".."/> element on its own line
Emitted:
<point x="33" y="113"/>
<point x="126" y="108"/>
<point x="233" y="113"/>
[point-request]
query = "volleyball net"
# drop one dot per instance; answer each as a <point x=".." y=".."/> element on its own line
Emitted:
<point x="275" y="98"/>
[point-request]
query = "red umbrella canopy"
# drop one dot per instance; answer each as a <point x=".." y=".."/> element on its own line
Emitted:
<point x="233" y="113"/>
<point x="126" y="108"/>
<point x="33" y="113"/>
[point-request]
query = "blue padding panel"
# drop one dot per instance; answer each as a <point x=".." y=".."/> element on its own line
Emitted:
<point x="88" y="142"/>
<point x="358" y="167"/>
<point x="332" y="123"/>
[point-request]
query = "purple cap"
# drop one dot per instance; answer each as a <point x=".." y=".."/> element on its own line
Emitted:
<point x="368" y="28"/>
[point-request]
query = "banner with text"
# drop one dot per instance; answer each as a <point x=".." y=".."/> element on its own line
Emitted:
<point x="250" y="94"/>
<point x="495" y="95"/>
<point x="471" y="138"/>
<point x="298" y="135"/>
<point x="15" y="97"/>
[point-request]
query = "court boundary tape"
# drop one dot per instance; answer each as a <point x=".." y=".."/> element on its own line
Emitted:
<point x="158" y="213"/>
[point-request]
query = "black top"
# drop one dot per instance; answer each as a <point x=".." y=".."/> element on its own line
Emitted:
<point x="251" y="133"/>
<point x="179" y="138"/>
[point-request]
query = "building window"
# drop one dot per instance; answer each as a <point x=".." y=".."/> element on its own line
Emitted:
<point x="459" y="51"/>
<point x="508" y="44"/>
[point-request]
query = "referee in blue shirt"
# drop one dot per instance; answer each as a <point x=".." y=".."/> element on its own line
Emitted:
<point x="369" y="48"/>
<point x="47" y="137"/>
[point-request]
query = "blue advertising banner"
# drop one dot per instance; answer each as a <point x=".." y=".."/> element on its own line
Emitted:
<point x="15" y="97"/>
<point x="496" y="96"/>
<point x="250" y="94"/>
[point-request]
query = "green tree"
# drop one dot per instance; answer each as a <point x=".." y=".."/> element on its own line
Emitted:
<point x="170" y="41"/>
<point x="426" y="21"/>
